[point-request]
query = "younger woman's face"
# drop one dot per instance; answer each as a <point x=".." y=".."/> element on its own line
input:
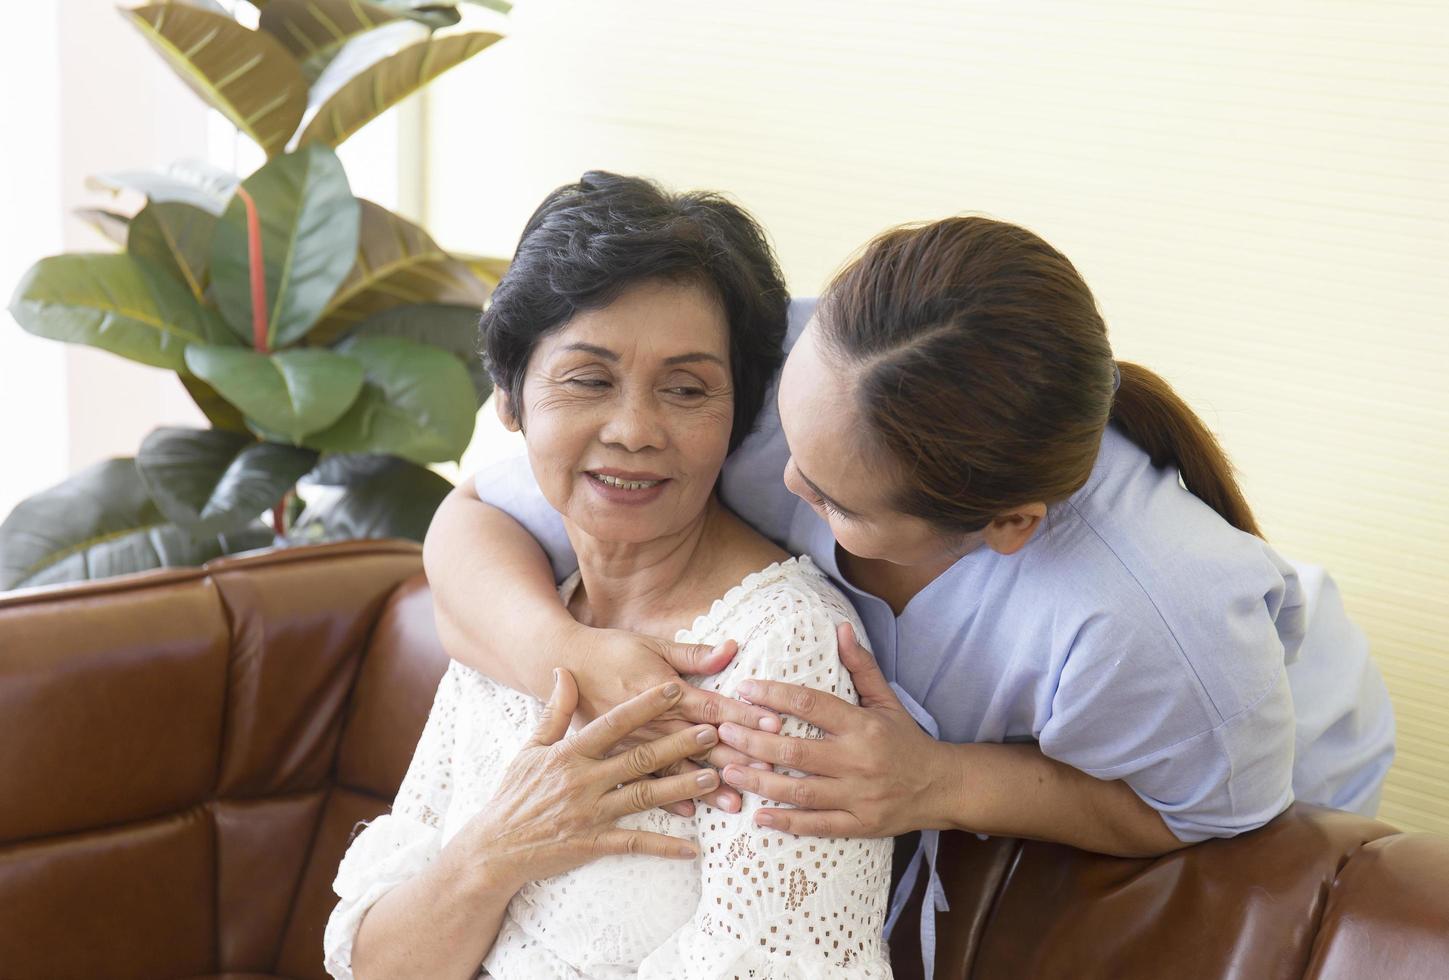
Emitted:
<point x="627" y="412"/>
<point x="834" y="468"/>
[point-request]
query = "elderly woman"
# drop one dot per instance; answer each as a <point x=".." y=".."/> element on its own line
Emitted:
<point x="632" y="342"/>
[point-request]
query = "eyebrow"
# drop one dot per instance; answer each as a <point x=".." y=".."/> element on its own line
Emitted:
<point x="612" y="357"/>
<point x="825" y="496"/>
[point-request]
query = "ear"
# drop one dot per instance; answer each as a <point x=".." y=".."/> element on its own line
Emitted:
<point x="1009" y="533"/>
<point x="504" y="406"/>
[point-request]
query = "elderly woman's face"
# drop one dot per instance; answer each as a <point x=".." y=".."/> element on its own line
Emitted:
<point x="627" y="412"/>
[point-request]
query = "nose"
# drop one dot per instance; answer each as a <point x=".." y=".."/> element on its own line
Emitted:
<point x="792" y="478"/>
<point x="635" y="424"/>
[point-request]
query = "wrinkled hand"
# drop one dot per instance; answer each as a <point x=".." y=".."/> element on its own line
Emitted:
<point x="560" y="797"/>
<point x="875" y="773"/>
<point x="612" y="666"/>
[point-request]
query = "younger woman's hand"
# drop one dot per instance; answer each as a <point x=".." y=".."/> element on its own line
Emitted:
<point x="561" y="796"/>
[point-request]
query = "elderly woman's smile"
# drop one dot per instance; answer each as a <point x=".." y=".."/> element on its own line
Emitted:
<point x="628" y="410"/>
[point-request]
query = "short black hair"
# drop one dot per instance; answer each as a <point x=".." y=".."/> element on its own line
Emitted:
<point x="591" y="240"/>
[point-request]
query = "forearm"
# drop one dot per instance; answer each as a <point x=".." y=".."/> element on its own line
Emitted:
<point x="440" y="923"/>
<point x="1016" y="791"/>
<point x="486" y="570"/>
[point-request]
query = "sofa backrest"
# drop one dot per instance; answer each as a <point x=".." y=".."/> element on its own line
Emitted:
<point x="172" y="796"/>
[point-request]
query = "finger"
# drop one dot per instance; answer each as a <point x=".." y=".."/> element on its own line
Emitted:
<point x="812" y="823"/>
<point x="698" y="658"/>
<point x="684" y="808"/>
<point x="722" y="755"/>
<point x="559" y="711"/>
<point x="652" y="756"/>
<point x="870" y="684"/>
<point x="600" y="735"/>
<point x="825" y="710"/>
<point x="645" y="794"/>
<point x="709" y="708"/>
<point x="811" y="755"/>
<point x="723" y="798"/>
<point x="643" y="842"/>
<point x="805" y="792"/>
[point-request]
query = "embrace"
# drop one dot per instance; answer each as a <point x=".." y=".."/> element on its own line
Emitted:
<point x="739" y="619"/>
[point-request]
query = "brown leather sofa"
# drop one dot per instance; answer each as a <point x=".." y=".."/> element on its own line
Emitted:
<point x="184" y="754"/>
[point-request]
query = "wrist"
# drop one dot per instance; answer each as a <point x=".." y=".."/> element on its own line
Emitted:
<point x="559" y="643"/>
<point x="946" y="800"/>
<point x="475" y="873"/>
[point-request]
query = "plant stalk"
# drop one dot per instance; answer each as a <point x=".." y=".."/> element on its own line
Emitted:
<point x="257" y="272"/>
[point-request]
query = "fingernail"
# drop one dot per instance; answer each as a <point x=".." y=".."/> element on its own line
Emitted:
<point x="706" y="778"/>
<point x="555" y="675"/>
<point x="671" y="691"/>
<point x="749" y="689"/>
<point x="761" y="765"/>
<point x="706" y="736"/>
<point x="686" y="852"/>
<point x="732" y="775"/>
<point x="765" y="819"/>
<point x="728" y="734"/>
<point x="770" y="723"/>
<point x="729" y="806"/>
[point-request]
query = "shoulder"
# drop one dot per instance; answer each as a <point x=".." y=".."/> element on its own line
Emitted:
<point x="1152" y="579"/>
<point x="784" y="618"/>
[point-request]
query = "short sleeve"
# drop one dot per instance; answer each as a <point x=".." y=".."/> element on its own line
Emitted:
<point x="398" y="845"/>
<point x="510" y="486"/>
<point x="774" y="904"/>
<point x="1129" y="706"/>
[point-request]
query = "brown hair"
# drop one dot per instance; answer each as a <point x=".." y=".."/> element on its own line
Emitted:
<point x="985" y="371"/>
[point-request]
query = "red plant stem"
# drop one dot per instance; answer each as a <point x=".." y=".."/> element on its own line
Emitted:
<point x="258" y="274"/>
<point x="279" y="515"/>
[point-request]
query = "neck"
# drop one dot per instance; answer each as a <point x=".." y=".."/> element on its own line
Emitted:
<point x="896" y="584"/>
<point x="651" y="586"/>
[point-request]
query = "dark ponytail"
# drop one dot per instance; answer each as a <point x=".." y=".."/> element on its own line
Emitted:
<point x="1153" y="416"/>
<point x="986" y="372"/>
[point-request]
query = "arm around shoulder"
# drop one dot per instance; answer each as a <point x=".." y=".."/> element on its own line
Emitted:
<point x="485" y="569"/>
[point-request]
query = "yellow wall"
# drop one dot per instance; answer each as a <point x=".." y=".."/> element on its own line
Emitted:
<point x="1258" y="194"/>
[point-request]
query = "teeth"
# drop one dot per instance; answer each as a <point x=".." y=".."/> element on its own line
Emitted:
<point x="613" y="481"/>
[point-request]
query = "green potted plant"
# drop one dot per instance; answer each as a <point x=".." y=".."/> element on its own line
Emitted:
<point x="326" y="339"/>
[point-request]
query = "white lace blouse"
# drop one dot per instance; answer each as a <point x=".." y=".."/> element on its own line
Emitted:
<point x="755" y="904"/>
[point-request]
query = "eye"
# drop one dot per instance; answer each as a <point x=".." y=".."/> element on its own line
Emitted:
<point x="594" y="383"/>
<point x="687" y="391"/>
<point x="825" y="505"/>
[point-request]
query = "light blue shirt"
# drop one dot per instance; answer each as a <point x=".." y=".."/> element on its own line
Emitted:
<point x="1137" y="636"/>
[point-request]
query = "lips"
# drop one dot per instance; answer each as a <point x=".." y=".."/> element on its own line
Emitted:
<point x="627" y="487"/>
<point x="626" y="479"/>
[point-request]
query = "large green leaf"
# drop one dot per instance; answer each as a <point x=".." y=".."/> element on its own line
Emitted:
<point x="195" y="182"/>
<point x="212" y="482"/>
<point x="397" y="264"/>
<point x="113" y="224"/>
<point x="309" y="225"/>
<point x="244" y="74"/>
<point x="379" y="87"/>
<point x="117" y="303"/>
<point x="429" y="12"/>
<point x="452" y="328"/>
<point x="221" y="413"/>
<point x="289" y="393"/>
<point x="417" y="403"/>
<point x="398" y="502"/>
<point x="345" y="469"/>
<point x="102" y="522"/>
<point x="316" y="30"/>
<point x="175" y="237"/>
